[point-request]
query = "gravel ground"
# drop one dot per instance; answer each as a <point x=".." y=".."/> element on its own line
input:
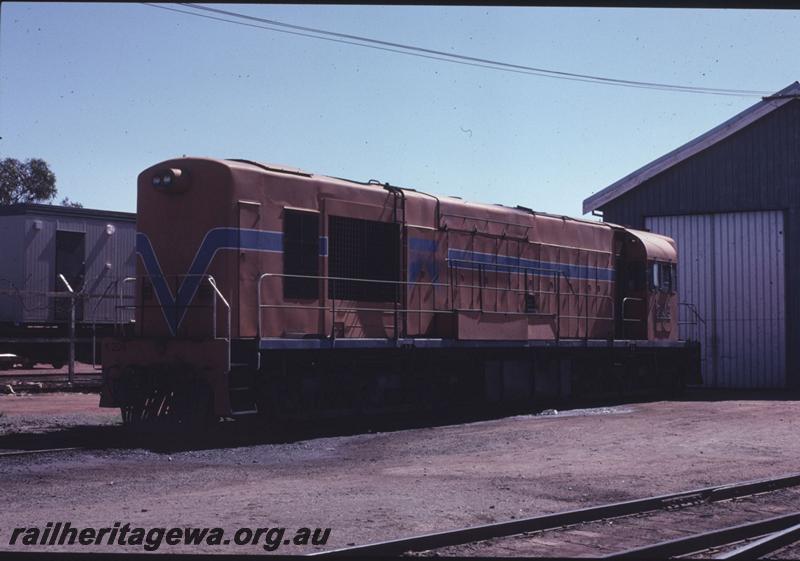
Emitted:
<point x="50" y="414"/>
<point x="46" y="370"/>
<point x="377" y="486"/>
<point x="44" y="378"/>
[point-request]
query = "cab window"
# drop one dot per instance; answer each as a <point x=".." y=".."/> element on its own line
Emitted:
<point x="663" y="277"/>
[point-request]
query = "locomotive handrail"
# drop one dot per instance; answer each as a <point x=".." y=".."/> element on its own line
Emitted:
<point x="521" y="269"/>
<point x="329" y="278"/>
<point x="334" y="309"/>
<point x="355" y="279"/>
<point x="698" y="319"/>
<point x="693" y="308"/>
<point x="409" y="310"/>
<point x="394" y="309"/>
<point x="213" y="284"/>
<point x="120" y="287"/>
<point x="141" y="306"/>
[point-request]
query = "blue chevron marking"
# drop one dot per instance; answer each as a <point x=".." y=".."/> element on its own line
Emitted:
<point x="174" y="308"/>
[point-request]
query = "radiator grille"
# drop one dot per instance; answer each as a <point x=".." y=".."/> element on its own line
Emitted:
<point x="300" y="254"/>
<point x="363" y="249"/>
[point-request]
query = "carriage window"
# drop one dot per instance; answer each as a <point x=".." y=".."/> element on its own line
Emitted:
<point x="300" y="253"/>
<point x="363" y="249"/>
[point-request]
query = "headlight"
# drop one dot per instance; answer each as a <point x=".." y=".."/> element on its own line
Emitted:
<point x="169" y="179"/>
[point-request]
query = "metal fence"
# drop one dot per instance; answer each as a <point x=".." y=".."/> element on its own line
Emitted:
<point x="70" y="310"/>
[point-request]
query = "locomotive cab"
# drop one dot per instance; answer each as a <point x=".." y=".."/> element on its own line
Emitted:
<point x="647" y="299"/>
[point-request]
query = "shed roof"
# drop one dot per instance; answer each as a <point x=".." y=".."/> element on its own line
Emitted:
<point x="58" y="210"/>
<point x="715" y="135"/>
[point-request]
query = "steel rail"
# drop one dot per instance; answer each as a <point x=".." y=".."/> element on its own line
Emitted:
<point x="707" y="540"/>
<point x="43" y="451"/>
<point x="557" y="520"/>
<point x="765" y="545"/>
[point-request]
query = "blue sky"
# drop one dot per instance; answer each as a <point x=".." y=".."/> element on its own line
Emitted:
<point x="102" y="91"/>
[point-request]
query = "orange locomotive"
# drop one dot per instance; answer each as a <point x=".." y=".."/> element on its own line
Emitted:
<point x="265" y="289"/>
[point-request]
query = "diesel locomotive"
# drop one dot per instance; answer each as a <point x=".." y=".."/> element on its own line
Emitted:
<point x="263" y="289"/>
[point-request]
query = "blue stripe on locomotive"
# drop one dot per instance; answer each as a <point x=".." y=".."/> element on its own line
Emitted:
<point x="489" y="262"/>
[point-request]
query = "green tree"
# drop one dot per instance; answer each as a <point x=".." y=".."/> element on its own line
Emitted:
<point x="26" y="182"/>
<point x="74" y="204"/>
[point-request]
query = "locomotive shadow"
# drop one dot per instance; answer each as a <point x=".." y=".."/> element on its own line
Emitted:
<point x="78" y="436"/>
<point x="252" y="432"/>
<point x="168" y="438"/>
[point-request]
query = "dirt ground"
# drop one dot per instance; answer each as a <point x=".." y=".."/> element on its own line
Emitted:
<point x="377" y="486"/>
<point x="41" y="369"/>
<point x="51" y="412"/>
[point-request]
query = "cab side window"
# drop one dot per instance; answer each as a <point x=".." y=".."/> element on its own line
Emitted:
<point x="666" y="277"/>
<point x="655" y="276"/>
<point x="663" y="277"/>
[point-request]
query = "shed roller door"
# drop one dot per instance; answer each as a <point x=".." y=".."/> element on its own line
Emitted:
<point x="731" y="269"/>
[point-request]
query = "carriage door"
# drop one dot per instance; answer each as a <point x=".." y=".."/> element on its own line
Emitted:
<point x="245" y="291"/>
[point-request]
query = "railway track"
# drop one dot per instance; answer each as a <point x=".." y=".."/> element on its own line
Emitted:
<point x="745" y="520"/>
<point x="41" y="451"/>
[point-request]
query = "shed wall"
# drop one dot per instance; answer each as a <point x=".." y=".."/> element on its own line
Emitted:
<point x="11" y="270"/>
<point x="107" y="259"/>
<point x="754" y="169"/>
<point x="731" y="269"/>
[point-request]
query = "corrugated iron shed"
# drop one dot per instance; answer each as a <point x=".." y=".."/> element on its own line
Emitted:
<point x="716" y="135"/>
<point x="731" y="199"/>
<point x="32" y="235"/>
